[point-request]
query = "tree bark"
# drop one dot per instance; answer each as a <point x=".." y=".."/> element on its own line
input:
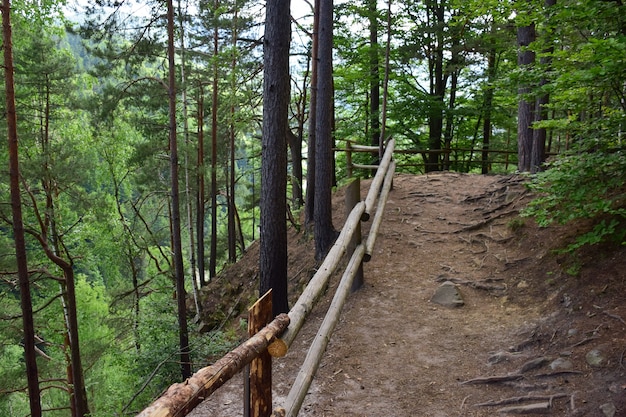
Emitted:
<point x="230" y="189"/>
<point x="525" y="58"/>
<point x="200" y="204"/>
<point x="188" y="193"/>
<point x="309" y="203"/>
<point x="295" y="147"/>
<point x="30" y="357"/>
<point x="179" y="274"/>
<point x="324" y="231"/>
<point x="214" y="110"/>
<point x="273" y="203"/>
<point x="487" y="105"/>
<point x="538" y="152"/>
<point x="374" y="78"/>
<point x="437" y="89"/>
<point x="78" y="380"/>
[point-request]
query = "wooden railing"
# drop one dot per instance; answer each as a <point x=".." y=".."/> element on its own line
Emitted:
<point x="277" y="336"/>
<point x="485" y="157"/>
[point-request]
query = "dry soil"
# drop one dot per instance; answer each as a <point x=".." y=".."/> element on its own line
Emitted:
<point x="539" y="333"/>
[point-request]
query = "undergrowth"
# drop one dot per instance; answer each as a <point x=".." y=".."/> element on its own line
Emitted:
<point x="583" y="185"/>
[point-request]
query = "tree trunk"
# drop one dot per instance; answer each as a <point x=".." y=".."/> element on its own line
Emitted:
<point x="78" y="393"/>
<point x="179" y="275"/>
<point x="324" y="231"/>
<point x="374" y="78"/>
<point x="189" y="200"/>
<point x="525" y="58"/>
<point x="200" y="203"/>
<point x="230" y="189"/>
<point x="273" y="203"/>
<point x="309" y="204"/>
<point x="295" y="143"/>
<point x="30" y="357"/>
<point x="213" y="256"/>
<point x="437" y="90"/>
<point x="78" y="380"/>
<point x="487" y="104"/>
<point x="295" y="147"/>
<point x="449" y="131"/>
<point x="538" y="152"/>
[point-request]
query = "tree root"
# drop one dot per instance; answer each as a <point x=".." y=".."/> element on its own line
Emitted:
<point x="483" y="284"/>
<point x="493" y="379"/>
<point x="516" y="400"/>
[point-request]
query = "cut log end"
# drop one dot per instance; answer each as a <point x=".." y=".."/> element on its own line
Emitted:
<point x="279" y="412"/>
<point x="278" y="348"/>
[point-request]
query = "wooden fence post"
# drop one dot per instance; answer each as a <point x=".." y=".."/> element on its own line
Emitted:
<point x="260" y="382"/>
<point x="353" y="197"/>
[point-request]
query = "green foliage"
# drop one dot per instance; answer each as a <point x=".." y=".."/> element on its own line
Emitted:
<point x="584" y="185"/>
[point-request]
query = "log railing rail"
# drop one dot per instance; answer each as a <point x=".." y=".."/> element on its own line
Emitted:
<point x="278" y="335"/>
<point x="351" y="148"/>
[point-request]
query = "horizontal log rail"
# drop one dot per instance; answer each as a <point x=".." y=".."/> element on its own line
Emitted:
<point x="374" y="149"/>
<point x="351" y="147"/>
<point x="277" y="336"/>
<point x="183" y="397"/>
<point x="379" y="190"/>
<point x="314" y="355"/>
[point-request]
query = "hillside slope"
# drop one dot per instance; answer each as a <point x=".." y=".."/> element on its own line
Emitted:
<point x="537" y="333"/>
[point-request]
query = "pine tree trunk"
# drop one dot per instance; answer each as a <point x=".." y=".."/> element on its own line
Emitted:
<point x="437" y="90"/>
<point x="309" y="203"/>
<point x="374" y="78"/>
<point x="525" y="109"/>
<point x="30" y="357"/>
<point x="214" y="110"/>
<point x="273" y="203"/>
<point x="185" y="362"/>
<point x="324" y="231"/>
<point x="189" y="200"/>
<point x="232" y="239"/>
<point x="487" y="105"/>
<point x="538" y="152"/>
<point x="200" y="204"/>
<point x="80" y="393"/>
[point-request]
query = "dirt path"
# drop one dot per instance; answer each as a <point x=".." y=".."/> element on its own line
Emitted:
<point x="396" y="353"/>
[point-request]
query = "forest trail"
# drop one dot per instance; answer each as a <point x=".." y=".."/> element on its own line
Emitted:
<point x="523" y="342"/>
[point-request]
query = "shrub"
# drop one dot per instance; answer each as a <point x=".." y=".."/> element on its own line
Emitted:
<point x="583" y="185"/>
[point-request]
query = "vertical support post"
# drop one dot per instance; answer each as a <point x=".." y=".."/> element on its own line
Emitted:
<point x="349" y="158"/>
<point x="352" y="197"/>
<point x="259" y="315"/>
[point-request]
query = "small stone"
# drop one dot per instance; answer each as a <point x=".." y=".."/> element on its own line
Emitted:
<point x="522" y="284"/>
<point x="561" y="364"/>
<point x="572" y="332"/>
<point x="595" y="358"/>
<point x="608" y="409"/>
<point x="448" y="295"/>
